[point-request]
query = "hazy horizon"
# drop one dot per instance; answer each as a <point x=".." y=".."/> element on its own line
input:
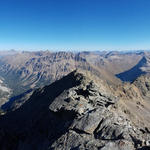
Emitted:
<point x="76" y="51"/>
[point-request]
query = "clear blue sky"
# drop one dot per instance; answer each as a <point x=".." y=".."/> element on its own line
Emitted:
<point x="74" y="24"/>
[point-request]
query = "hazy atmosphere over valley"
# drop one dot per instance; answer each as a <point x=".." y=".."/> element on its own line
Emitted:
<point x="74" y="75"/>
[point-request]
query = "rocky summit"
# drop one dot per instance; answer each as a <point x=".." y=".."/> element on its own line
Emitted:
<point x="76" y="112"/>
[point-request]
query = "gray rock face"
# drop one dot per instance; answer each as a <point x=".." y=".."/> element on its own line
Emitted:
<point x="87" y="102"/>
<point x="71" y="114"/>
<point x="96" y="125"/>
<point x="118" y="145"/>
<point x="143" y="83"/>
<point x="82" y="99"/>
<point x="89" y="122"/>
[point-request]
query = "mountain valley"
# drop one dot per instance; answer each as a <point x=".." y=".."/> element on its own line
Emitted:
<point x="75" y="101"/>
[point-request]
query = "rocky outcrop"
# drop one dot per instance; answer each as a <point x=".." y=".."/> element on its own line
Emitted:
<point x="73" y="113"/>
<point x="143" y="83"/>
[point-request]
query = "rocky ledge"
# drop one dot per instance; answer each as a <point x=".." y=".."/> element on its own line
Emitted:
<point x="74" y="113"/>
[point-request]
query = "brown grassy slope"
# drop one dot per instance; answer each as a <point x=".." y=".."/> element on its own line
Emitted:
<point x="134" y="101"/>
<point x="113" y="62"/>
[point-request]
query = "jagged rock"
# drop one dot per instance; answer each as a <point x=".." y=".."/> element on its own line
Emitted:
<point x="73" y="113"/>
<point x="143" y="83"/>
<point x="113" y="127"/>
<point x="119" y="145"/>
<point x="147" y="143"/>
<point x="89" y="122"/>
<point x="82" y="99"/>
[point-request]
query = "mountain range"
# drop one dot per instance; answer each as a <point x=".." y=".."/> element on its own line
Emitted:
<point x="75" y="101"/>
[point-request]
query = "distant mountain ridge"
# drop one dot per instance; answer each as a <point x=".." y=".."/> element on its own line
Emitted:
<point x="35" y="69"/>
<point x="23" y="71"/>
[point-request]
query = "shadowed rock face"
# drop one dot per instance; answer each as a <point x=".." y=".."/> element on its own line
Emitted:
<point x="72" y="113"/>
<point x="133" y="73"/>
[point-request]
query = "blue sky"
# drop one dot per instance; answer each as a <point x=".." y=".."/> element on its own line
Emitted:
<point x="74" y="24"/>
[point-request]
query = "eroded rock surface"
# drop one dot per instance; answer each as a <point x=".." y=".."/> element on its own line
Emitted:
<point x="74" y="113"/>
